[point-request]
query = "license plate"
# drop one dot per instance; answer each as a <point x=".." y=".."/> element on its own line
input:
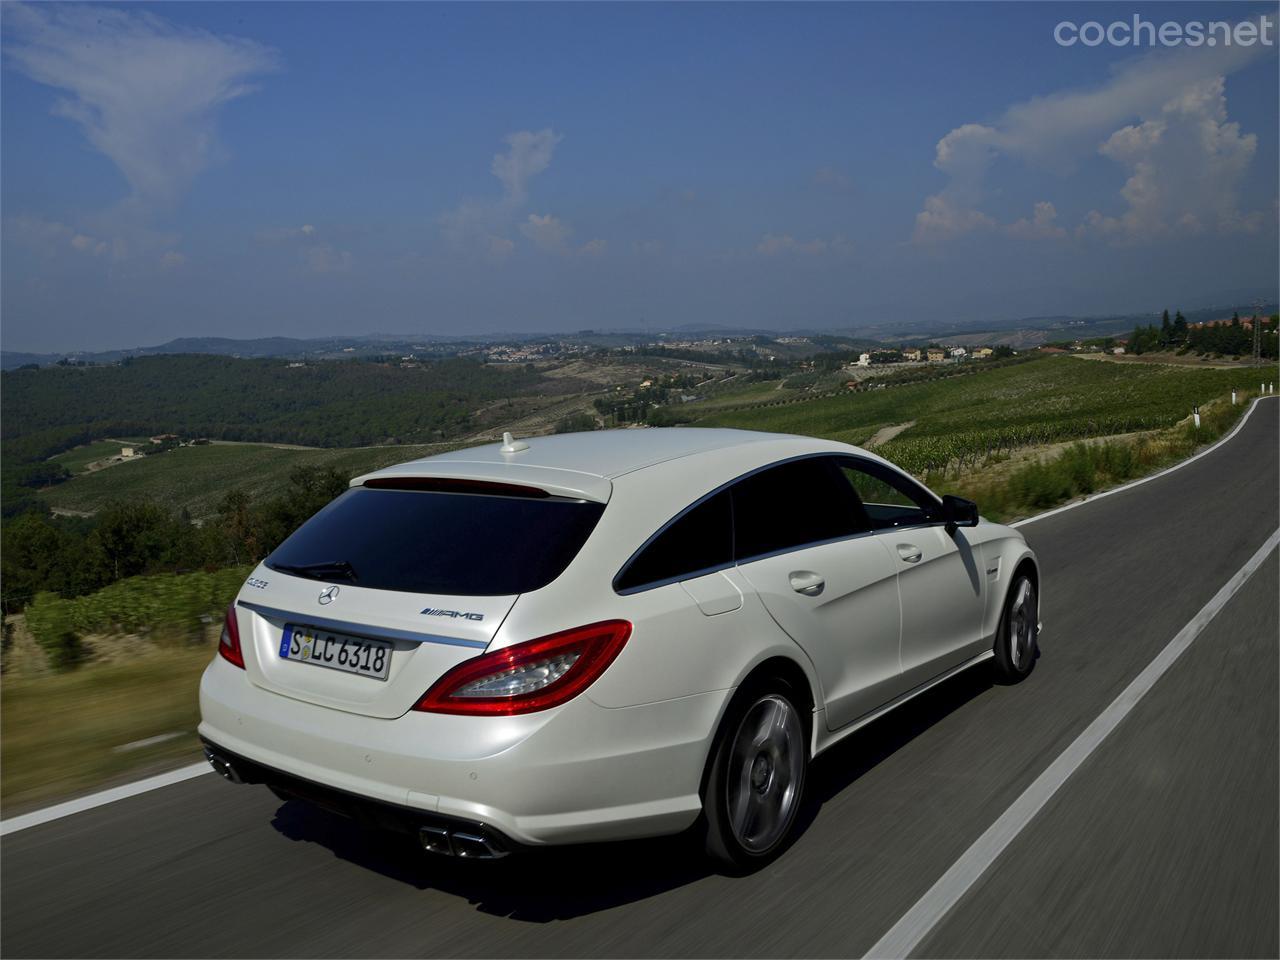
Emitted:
<point x="337" y="651"/>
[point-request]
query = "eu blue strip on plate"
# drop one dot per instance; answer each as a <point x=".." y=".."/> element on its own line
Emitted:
<point x="285" y="639"/>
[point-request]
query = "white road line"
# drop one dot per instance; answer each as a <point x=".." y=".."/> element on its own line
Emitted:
<point x="147" y="742"/>
<point x="916" y="923"/>
<point x="1155" y="476"/>
<point x="81" y="804"/>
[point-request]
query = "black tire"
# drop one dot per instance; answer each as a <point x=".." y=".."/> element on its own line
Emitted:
<point x="1016" y="644"/>
<point x="755" y="782"/>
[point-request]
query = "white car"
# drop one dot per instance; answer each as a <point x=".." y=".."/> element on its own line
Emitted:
<point x="605" y="635"/>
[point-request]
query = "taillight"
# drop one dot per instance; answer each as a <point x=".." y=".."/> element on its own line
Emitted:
<point x="229" y="642"/>
<point x="534" y="675"/>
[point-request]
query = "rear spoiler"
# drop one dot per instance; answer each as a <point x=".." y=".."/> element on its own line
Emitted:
<point x="500" y="479"/>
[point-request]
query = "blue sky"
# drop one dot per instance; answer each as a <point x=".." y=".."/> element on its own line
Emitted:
<point x="309" y="169"/>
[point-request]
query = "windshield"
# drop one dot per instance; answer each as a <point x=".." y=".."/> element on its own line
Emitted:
<point x="460" y="544"/>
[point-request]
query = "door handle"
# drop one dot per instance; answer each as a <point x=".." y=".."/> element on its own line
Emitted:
<point x="910" y="552"/>
<point x="807" y="582"/>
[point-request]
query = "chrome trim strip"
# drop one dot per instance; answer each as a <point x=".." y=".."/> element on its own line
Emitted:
<point x="358" y="629"/>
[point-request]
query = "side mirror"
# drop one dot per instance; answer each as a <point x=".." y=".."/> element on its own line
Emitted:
<point x="959" y="512"/>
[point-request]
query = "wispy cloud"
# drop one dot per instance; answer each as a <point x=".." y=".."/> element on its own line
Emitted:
<point x="486" y="224"/>
<point x="144" y="90"/>
<point x="490" y="225"/>
<point x="528" y="154"/>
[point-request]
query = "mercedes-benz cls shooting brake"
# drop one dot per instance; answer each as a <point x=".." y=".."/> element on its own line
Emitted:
<point x="604" y="635"/>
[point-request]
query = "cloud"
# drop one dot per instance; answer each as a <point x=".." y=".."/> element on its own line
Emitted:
<point x="1185" y="168"/>
<point x="145" y="91"/>
<point x="486" y="224"/>
<point x="528" y="154"/>
<point x="315" y="251"/>
<point x="551" y="235"/>
<point x="546" y="233"/>
<point x="772" y="245"/>
<point x="1042" y="224"/>
<point x="944" y="218"/>
<point x="51" y="238"/>
<point x="1181" y="138"/>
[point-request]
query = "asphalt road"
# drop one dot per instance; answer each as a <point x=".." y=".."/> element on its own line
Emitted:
<point x="1164" y="843"/>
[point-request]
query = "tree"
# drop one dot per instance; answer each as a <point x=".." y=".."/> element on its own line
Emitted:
<point x="1166" y="329"/>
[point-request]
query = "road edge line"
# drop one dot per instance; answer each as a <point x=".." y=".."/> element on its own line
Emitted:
<point x="1155" y="476"/>
<point x="81" y="804"/>
<point x="918" y="922"/>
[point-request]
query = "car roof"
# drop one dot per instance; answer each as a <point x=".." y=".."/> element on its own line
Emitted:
<point x="578" y="464"/>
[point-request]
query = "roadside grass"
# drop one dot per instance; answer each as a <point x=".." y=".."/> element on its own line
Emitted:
<point x="59" y="733"/>
<point x="197" y="478"/>
<point x="1085" y="468"/>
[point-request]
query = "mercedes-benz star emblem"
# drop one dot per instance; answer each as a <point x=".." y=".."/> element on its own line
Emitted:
<point x="328" y="594"/>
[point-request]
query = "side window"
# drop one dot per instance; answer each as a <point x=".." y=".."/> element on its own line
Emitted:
<point x="699" y="540"/>
<point x="792" y="504"/>
<point x="889" y="499"/>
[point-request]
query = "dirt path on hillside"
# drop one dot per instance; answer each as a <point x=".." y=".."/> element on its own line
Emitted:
<point x="885" y="434"/>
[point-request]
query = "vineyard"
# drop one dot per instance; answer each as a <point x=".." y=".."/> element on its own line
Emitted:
<point x="968" y="420"/>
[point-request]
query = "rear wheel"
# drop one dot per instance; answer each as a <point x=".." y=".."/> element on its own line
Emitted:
<point x="757" y="778"/>
<point x="1015" y="647"/>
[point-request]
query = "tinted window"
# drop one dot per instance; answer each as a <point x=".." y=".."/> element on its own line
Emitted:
<point x="889" y="499"/>
<point x="463" y="544"/>
<point x="699" y="540"/>
<point x="792" y="504"/>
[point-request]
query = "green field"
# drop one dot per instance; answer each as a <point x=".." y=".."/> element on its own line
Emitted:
<point x="964" y="418"/>
<point x="78" y="459"/>
<point x="196" y="478"/>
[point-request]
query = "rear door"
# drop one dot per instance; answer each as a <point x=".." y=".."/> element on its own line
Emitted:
<point x="407" y="582"/>
<point x="804" y="544"/>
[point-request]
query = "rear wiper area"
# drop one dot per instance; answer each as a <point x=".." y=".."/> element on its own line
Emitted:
<point x="325" y="570"/>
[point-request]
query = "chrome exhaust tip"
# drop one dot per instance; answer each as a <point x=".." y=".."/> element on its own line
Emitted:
<point x="222" y="766"/>
<point x="456" y="843"/>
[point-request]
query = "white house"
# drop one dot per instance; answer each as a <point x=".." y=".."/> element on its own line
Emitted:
<point x="864" y="360"/>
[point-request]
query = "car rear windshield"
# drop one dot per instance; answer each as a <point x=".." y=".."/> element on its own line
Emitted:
<point x="420" y="541"/>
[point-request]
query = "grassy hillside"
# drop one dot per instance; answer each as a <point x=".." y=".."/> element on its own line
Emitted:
<point x="196" y="478"/>
<point x="1042" y="401"/>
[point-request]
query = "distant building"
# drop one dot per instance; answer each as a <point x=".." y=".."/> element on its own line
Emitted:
<point x="983" y="352"/>
<point x="913" y="355"/>
<point x="165" y="438"/>
<point x="936" y="356"/>
<point x="959" y="353"/>
<point x="127" y="452"/>
<point x="1117" y="350"/>
<point x="864" y="360"/>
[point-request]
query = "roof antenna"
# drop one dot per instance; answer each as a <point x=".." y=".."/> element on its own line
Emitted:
<point x="511" y="445"/>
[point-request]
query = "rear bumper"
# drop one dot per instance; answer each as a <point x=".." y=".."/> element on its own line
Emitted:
<point x="441" y="834"/>
<point x="576" y="773"/>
